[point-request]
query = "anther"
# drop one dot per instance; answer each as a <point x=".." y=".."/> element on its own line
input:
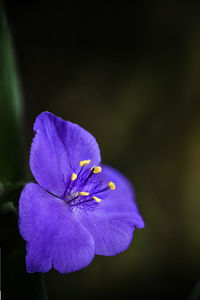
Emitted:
<point x="111" y="185"/>
<point x="96" y="170"/>
<point x="84" y="162"/>
<point x="96" y="199"/>
<point x="74" y="176"/>
<point x="83" y="193"/>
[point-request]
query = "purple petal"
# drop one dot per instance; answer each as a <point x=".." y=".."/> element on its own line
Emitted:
<point x="113" y="223"/>
<point x="122" y="199"/>
<point x="112" y="233"/>
<point x="53" y="234"/>
<point x="57" y="149"/>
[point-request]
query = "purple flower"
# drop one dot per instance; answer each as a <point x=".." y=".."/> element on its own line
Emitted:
<point x="79" y="208"/>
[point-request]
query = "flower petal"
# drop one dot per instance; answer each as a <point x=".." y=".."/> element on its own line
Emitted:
<point x="53" y="235"/>
<point x="112" y="224"/>
<point x="112" y="233"/>
<point x="57" y="149"/>
<point x="122" y="199"/>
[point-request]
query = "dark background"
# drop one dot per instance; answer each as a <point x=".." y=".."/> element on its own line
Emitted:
<point x="129" y="74"/>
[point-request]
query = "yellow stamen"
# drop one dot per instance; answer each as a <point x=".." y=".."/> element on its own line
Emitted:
<point x="83" y="193"/>
<point x="111" y="185"/>
<point x="74" y="176"/>
<point x="96" y="199"/>
<point x="84" y="162"/>
<point x="97" y="170"/>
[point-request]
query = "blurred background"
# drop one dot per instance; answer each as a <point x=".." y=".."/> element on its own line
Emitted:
<point x="130" y="75"/>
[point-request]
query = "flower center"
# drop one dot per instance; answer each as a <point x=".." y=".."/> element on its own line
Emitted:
<point x="87" y="187"/>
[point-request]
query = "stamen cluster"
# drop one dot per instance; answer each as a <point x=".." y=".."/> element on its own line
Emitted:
<point x="86" y="188"/>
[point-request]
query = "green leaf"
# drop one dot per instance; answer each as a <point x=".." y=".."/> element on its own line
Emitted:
<point x="11" y="158"/>
<point x="18" y="283"/>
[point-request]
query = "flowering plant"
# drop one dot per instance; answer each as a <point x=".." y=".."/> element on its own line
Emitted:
<point x="78" y="207"/>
